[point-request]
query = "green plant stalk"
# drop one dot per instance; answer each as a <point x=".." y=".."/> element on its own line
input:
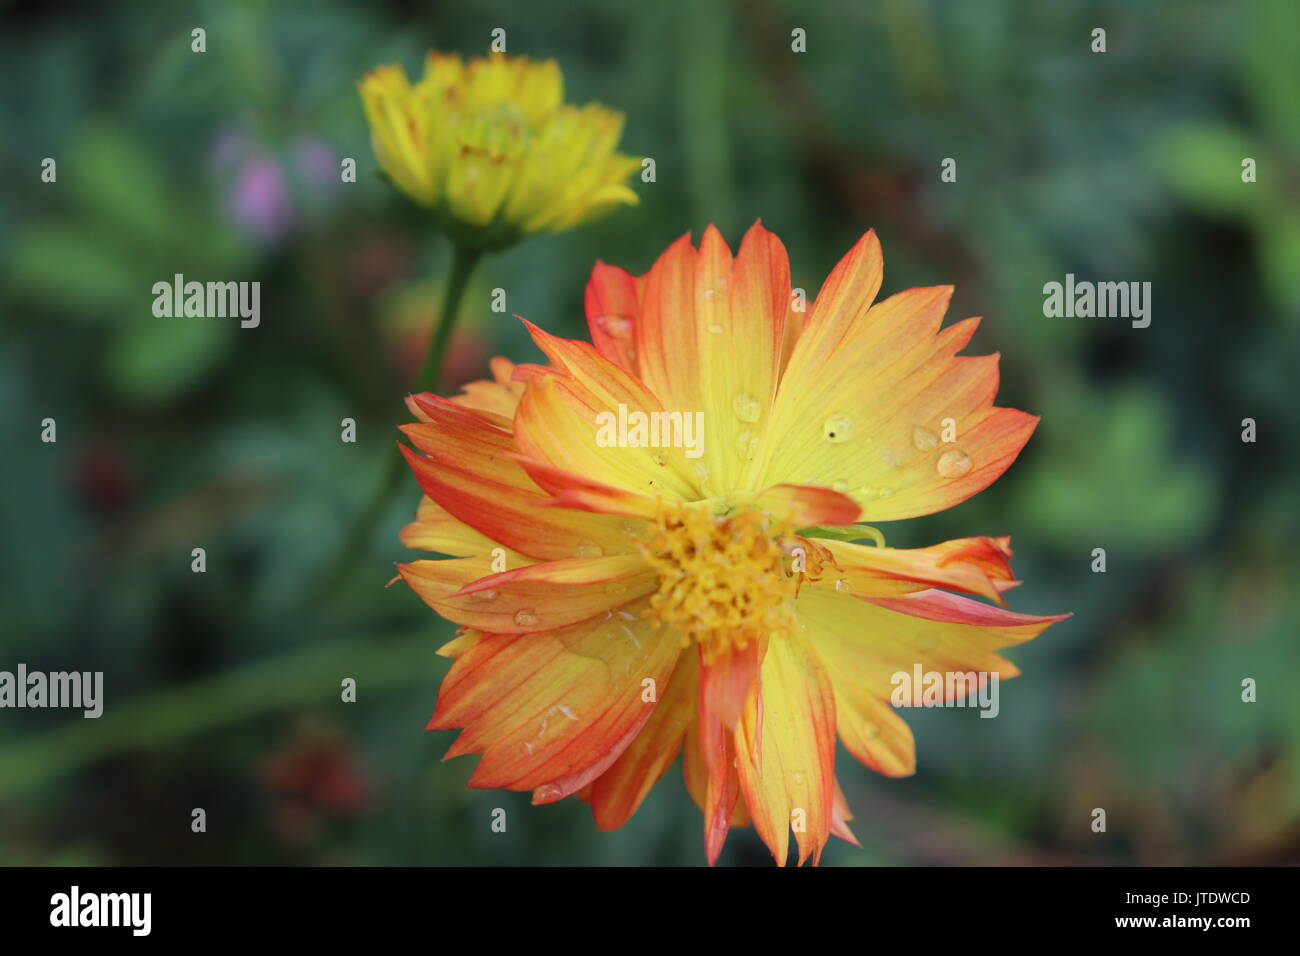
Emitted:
<point x="463" y="261"/>
<point x="305" y="677"/>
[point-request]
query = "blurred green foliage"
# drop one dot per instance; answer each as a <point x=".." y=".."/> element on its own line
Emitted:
<point x="223" y="687"/>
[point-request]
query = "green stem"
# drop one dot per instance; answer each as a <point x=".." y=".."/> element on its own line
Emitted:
<point x="463" y="261"/>
<point x="299" y="679"/>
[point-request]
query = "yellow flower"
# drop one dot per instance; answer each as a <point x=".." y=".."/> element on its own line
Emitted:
<point x="491" y="146"/>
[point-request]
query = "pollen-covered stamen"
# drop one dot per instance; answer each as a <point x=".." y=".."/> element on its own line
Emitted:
<point x="723" y="581"/>
<point x="806" y="560"/>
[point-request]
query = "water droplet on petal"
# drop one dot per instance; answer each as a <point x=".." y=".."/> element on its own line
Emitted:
<point x="884" y="491"/>
<point x="837" y="428"/>
<point x="798" y="779"/>
<point x="843" y="586"/>
<point x="924" y="439"/>
<point x="746" y="407"/>
<point x="616" y="326"/>
<point x="487" y="595"/>
<point x="953" y="463"/>
<point x="526" y="617"/>
<point x="871" y="731"/>
<point x="615" y="587"/>
<point x="546" y="793"/>
<point x="659" y="458"/>
<point x="840" y="486"/>
<point x="715" y="328"/>
<point x="587" y="549"/>
<point x="707" y="294"/>
<point x="746" y="445"/>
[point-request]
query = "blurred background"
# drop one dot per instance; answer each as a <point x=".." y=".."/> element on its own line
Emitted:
<point x="222" y="688"/>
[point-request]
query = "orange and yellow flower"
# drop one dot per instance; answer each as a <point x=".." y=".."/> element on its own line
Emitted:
<point x="653" y="603"/>
<point x="491" y="146"/>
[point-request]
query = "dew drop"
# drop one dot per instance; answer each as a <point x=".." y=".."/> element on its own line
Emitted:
<point x="616" y="326"/>
<point x="587" y="549"/>
<point x="840" y="486"/>
<point x="924" y="439"/>
<point x="746" y="445"/>
<point x="837" y="428"/>
<point x="659" y="458"/>
<point x="525" y="617"/>
<point x="701" y="471"/>
<point x="884" y="491"/>
<point x="488" y="595"/>
<point x="953" y="463"/>
<point x="746" y="407"/>
<point x="843" y="586"/>
<point x="871" y="731"/>
<point x="798" y="779"/>
<point x="715" y="328"/>
<point x="546" y="793"/>
<point x="708" y="294"/>
<point x="615" y="588"/>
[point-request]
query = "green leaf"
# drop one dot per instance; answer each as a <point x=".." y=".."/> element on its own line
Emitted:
<point x="1111" y="477"/>
<point x="1202" y="163"/>
<point x="119" y="184"/>
<point x="151" y="360"/>
<point x="71" y="268"/>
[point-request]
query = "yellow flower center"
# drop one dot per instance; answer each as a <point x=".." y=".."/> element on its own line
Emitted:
<point x="723" y="581"/>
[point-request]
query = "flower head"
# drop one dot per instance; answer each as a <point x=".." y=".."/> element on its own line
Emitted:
<point x="619" y="605"/>
<point x="492" y="147"/>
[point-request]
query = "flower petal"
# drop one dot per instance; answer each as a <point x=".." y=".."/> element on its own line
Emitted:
<point x="865" y="641"/>
<point x="435" y="529"/>
<point x="617" y="793"/>
<point x="867" y="398"/>
<point x="725" y="684"/>
<point x="613" y="304"/>
<point x="466" y="468"/>
<point x="808" y="505"/>
<point x="714" y="765"/>
<point x="542" y="597"/>
<point x="840" y="817"/>
<point x="570" y="490"/>
<point x="785" y="745"/>
<point x="544" y="707"/>
<point x="435" y="580"/>
<point x="709" y="339"/>
<point x="713" y="783"/>
<point x="499" y="396"/>
<point x="975" y="565"/>
<point x="568" y="410"/>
